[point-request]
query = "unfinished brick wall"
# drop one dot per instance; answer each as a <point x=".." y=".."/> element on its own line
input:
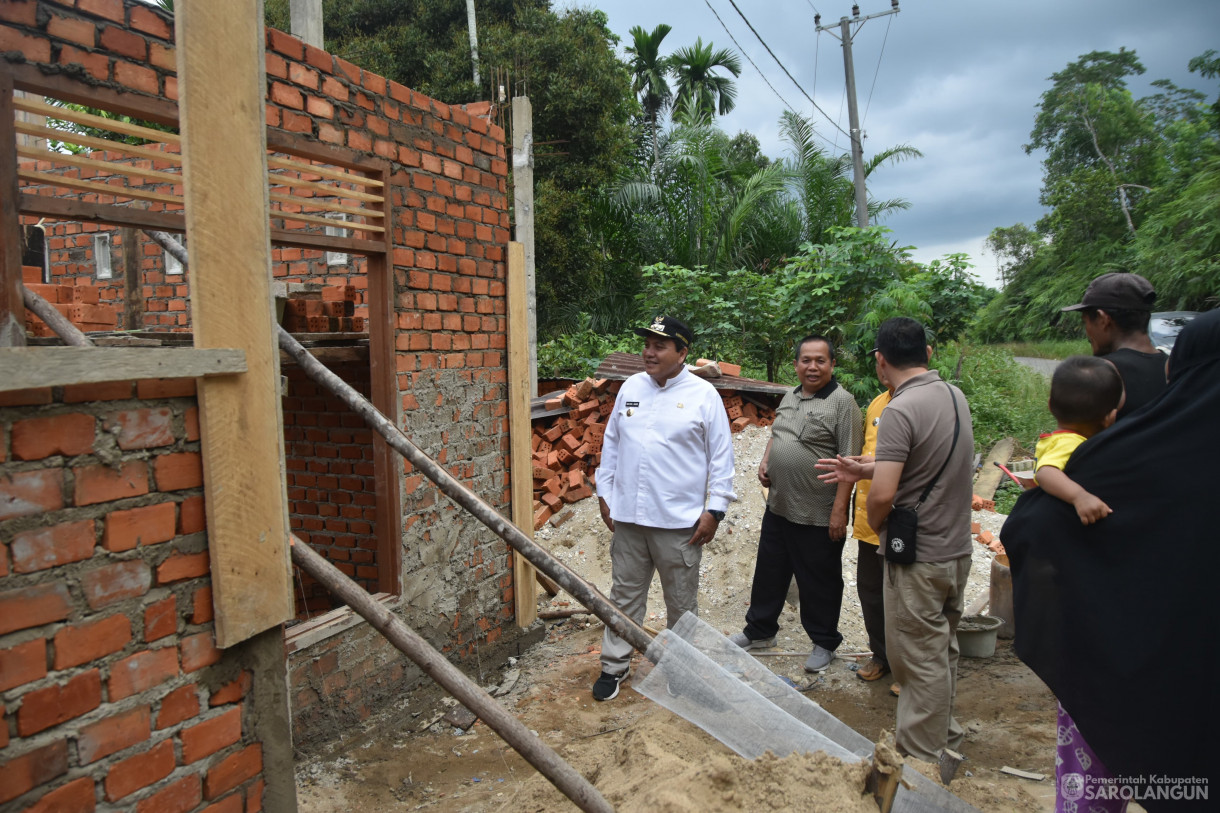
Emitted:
<point x="113" y="689"/>
<point x="449" y="229"/>
<point x="328" y="454"/>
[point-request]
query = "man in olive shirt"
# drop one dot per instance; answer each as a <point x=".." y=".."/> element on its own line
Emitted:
<point x="805" y="523"/>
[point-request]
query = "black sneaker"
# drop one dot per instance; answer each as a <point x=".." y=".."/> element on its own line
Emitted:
<point x="606" y="687"/>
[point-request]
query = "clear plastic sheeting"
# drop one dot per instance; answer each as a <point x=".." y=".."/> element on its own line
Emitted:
<point x="706" y="679"/>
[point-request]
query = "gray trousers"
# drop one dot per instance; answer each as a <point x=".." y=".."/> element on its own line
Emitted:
<point x="923" y="603"/>
<point x="636" y="552"/>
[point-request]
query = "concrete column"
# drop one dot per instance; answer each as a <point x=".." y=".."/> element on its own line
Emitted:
<point x="306" y="17"/>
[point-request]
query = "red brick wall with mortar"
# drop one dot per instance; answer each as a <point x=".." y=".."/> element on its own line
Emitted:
<point x="449" y="231"/>
<point x="113" y="690"/>
<point x="328" y="453"/>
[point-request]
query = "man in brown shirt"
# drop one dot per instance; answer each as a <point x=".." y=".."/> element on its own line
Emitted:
<point x="805" y="523"/>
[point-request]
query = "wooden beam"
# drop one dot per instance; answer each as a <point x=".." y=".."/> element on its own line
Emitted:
<point x="68" y="88"/>
<point x="523" y="209"/>
<point x="133" y="279"/>
<point x="12" y="305"/>
<point x="525" y="590"/>
<point x="383" y="392"/>
<point x="221" y="79"/>
<point x="24" y="368"/>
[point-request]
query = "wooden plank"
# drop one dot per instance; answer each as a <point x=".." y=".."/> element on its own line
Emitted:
<point x="990" y="475"/>
<point x="12" y="303"/>
<point x="222" y="107"/>
<point x="383" y="392"/>
<point x="133" y="279"/>
<point x="71" y="209"/>
<point x="525" y="590"/>
<point x="23" y="368"/>
<point x="96" y="187"/>
<point x="523" y="209"/>
<point x="97" y="122"/>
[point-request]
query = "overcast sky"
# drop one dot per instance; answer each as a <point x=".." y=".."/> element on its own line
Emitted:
<point x="959" y="80"/>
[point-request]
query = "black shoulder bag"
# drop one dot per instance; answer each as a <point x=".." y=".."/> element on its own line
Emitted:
<point x="903" y="522"/>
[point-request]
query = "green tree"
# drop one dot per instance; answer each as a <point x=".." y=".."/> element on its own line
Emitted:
<point x="695" y="70"/>
<point x="650" y="72"/>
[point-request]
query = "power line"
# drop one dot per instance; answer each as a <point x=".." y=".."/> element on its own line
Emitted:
<point x="785" y="70"/>
<point x="877" y="71"/>
<point x="747" y="56"/>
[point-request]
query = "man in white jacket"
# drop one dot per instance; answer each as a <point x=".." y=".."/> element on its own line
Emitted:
<point x="665" y="480"/>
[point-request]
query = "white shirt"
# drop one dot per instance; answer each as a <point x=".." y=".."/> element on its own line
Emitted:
<point x="667" y="451"/>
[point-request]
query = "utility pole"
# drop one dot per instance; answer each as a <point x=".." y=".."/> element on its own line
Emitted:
<point x="853" y="114"/>
<point x="471" y="23"/>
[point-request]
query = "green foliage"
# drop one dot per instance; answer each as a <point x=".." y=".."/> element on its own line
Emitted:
<point x="1007" y="399"/>
<point x="1133" y="185"/>
<point x="1051" y="349"/>
<point x="578" y="353"/>
<point x="695" y="75"/>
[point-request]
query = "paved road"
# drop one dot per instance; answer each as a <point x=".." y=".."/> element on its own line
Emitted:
<point x="1044" y="366"/>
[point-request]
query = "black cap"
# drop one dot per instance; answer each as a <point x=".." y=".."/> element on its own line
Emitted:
<point x="668" y="327"/>
<point x="1117" y="291"/>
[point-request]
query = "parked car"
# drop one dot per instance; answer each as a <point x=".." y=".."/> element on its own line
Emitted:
<point x="1166" y="325"/>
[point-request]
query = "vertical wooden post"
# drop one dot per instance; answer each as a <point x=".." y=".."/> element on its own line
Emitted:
<point x="133" y="279"/>
<point x="12" y="304"/>
<point x="383" y="392"/>
<point x="525" y="590"/>
<point x="223" y="119"/>
<point x="523" y="215"/>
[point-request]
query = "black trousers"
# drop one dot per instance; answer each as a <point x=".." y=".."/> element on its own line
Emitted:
<point x="787" y="549"/>
<point x="870" y="579"/>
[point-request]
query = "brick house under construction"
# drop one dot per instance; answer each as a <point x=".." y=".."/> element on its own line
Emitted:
<point x="157" y="652"/>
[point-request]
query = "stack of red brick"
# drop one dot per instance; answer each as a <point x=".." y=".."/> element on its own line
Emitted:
<point x="567" y="448"/>
<point x="81" y="304"/>
<point x="332" y="310"/>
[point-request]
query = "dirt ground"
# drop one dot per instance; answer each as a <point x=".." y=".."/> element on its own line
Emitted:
<point x="643" y="757"/>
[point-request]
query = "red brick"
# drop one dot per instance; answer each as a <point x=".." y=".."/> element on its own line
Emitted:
<point x="32" y="769"/>
<point x="143" y="428"/>
<point x="191" y="516"/>
<point x="82" y="32"/>
<point x="136" y="77"/>
<point x="178" y="470"/>
<point x="161" y="619"/>
<point x="24" y="493"/>
<point x="182" y="566"/>
<point x="146" y="20"/>
<point x="33" y="606"/>
<point x="106" y="391"/>
<point x="110" y="9"/>
<point x="234" y="690"/>
<point x="180" y="704"/>
<point x="34" y="397"/>
<point x="43" y="708"/>
<point x="147" y="525"/>
<point x="191" y="423"/>
<point x="140" y="771"/>
<point x="254" y="797"/>
<point x="23" y="663"/>
<point x="96" y="484"/>
<point x="183" y="795"/>
<point x="36" y="438"/>
<point x="124" y="43"/>
<point x="142" y="671"/>
<point x="110" y="583"/>
<point x="150" y="388"/>
<point x="198" y="651"/>
<point x="233" y="770"/>
<point x="87" y="642"/>
<point x="210" y="736"/>
<point x="113" y="734"/>
<point x="75" y="797"/>
<point x="229" y="804"/>
<point x="50" y="547"/>
<point x="202" y="610"/>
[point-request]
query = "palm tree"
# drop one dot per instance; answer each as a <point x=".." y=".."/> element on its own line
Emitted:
<point x="823" y="183"/>
<point x="649" y="70"/>
<point x="694" y="68"/>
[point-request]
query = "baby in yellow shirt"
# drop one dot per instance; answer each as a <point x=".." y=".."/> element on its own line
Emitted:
<point x="1086" y="394"/>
